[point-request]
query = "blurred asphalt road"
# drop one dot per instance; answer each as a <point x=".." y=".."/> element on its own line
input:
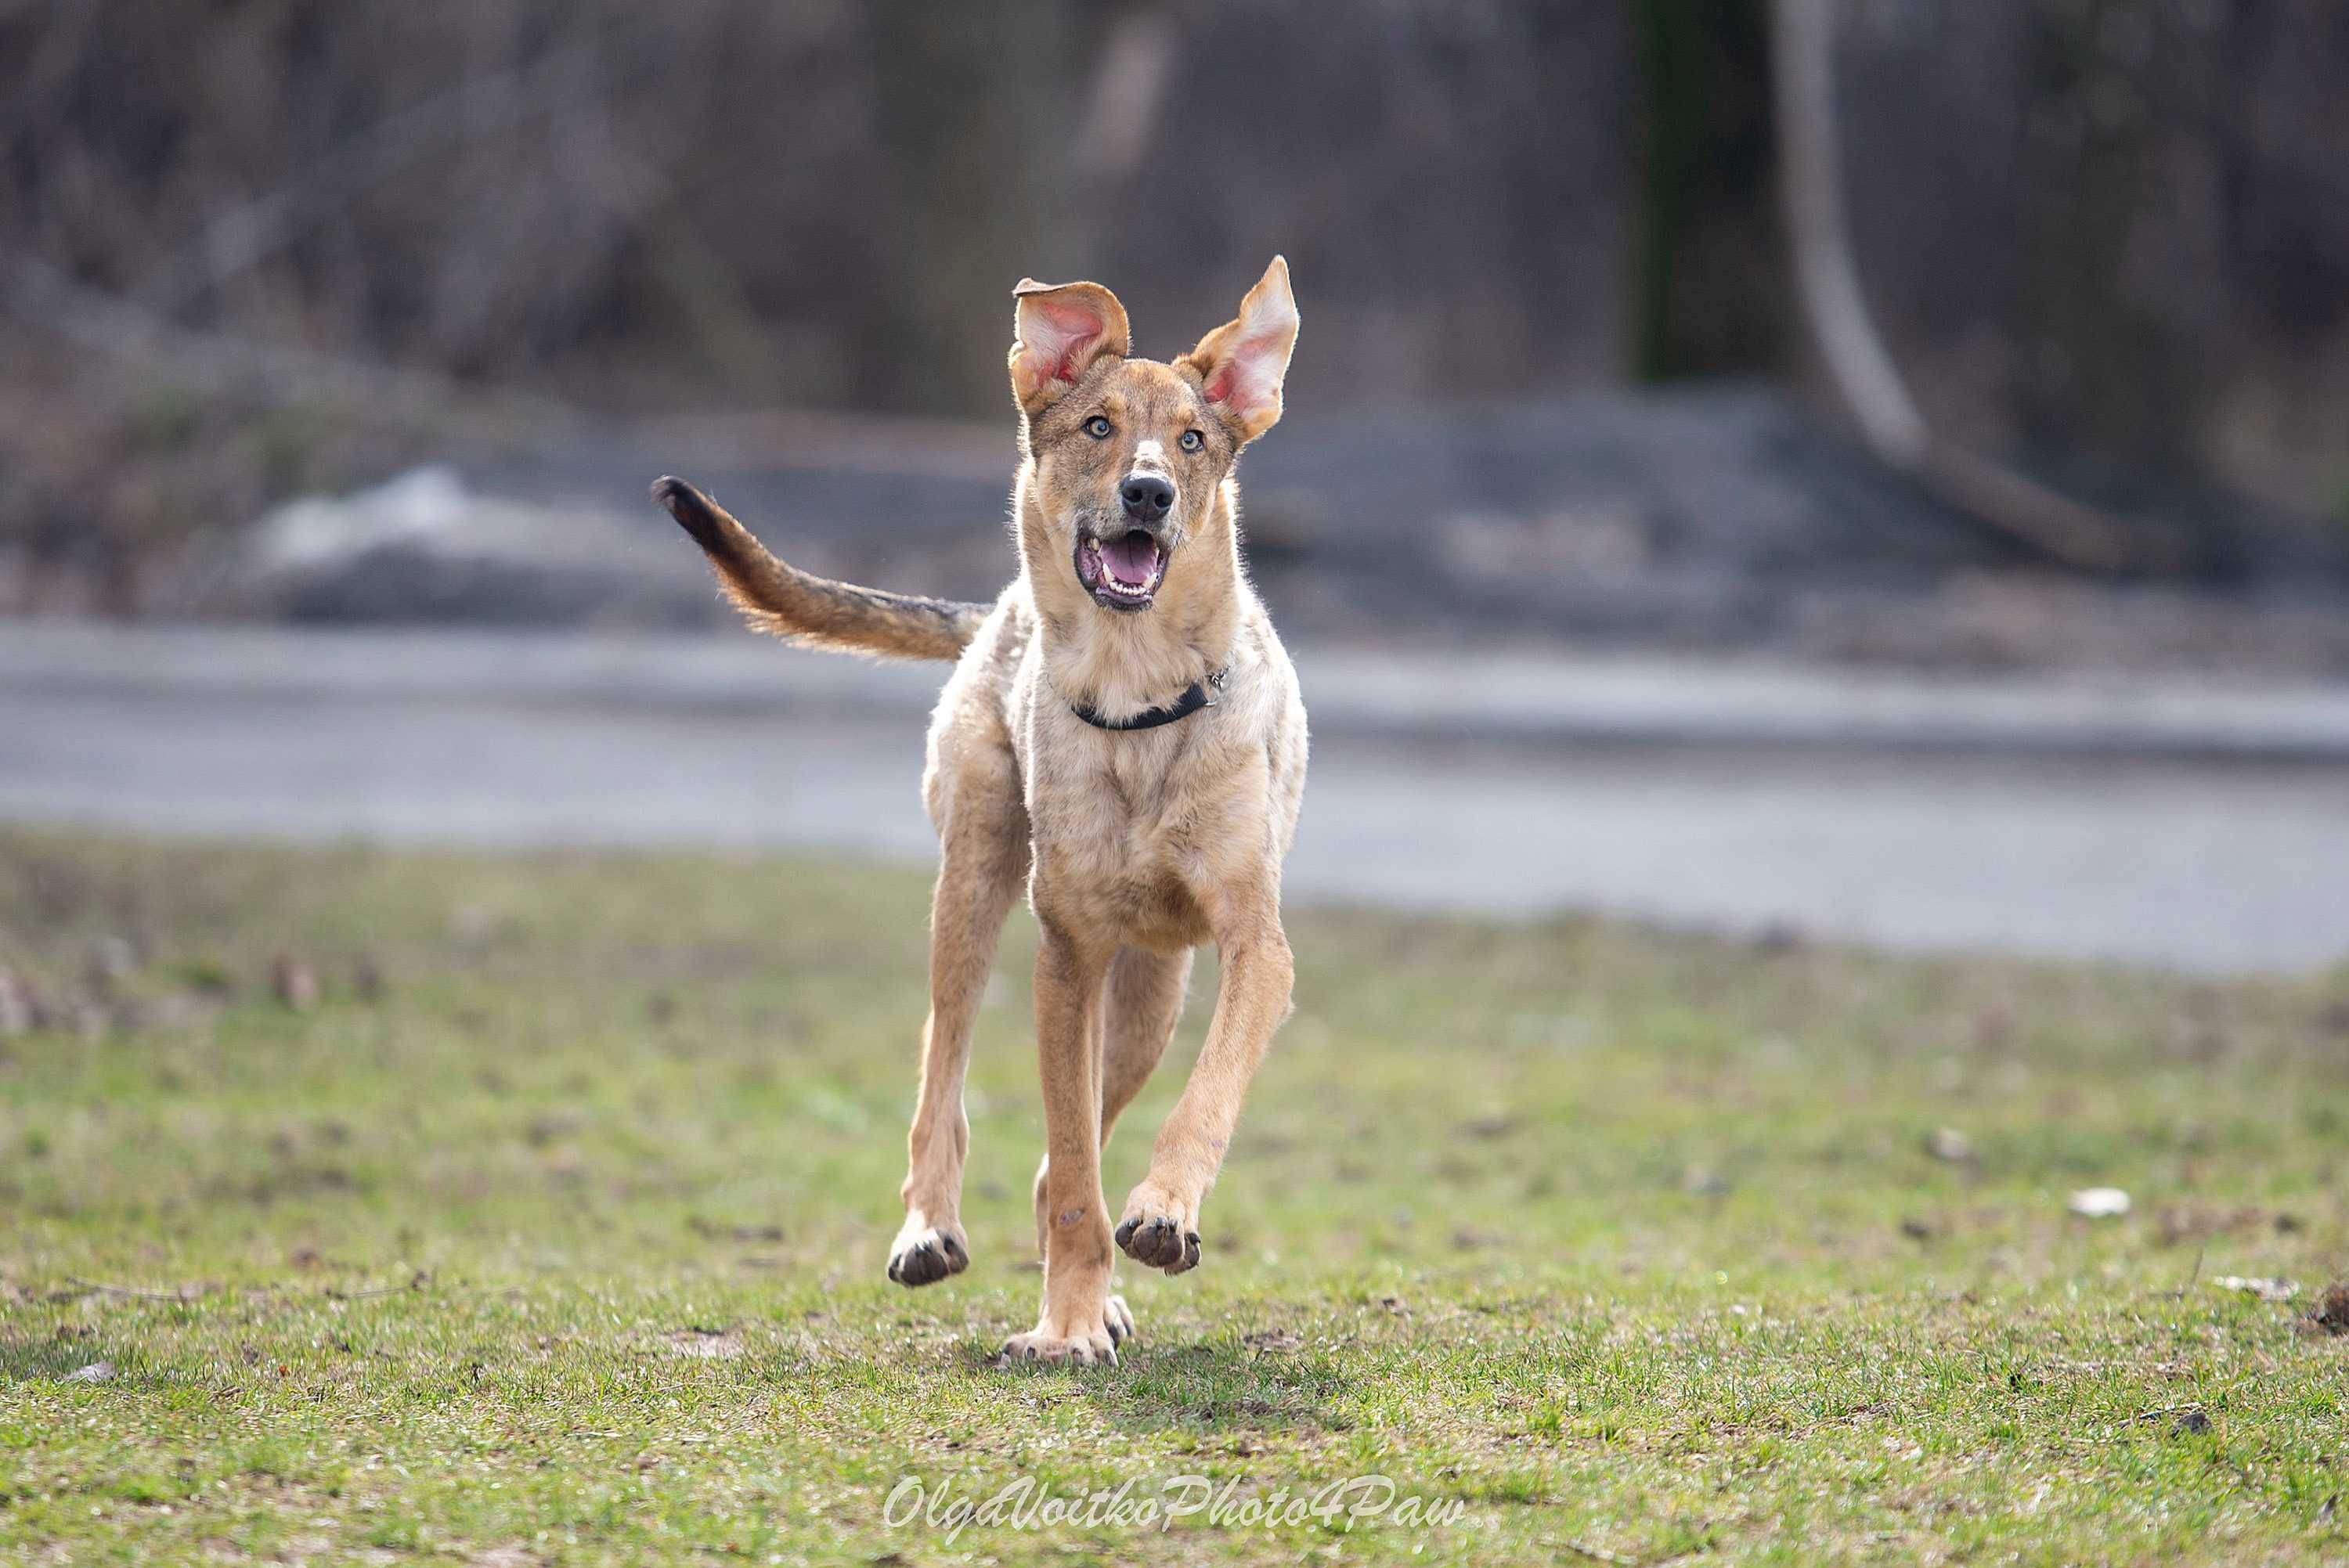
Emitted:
<point x="2202" y="828"/>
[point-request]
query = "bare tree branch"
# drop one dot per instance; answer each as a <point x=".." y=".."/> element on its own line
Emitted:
<point x="1802" y="54"/>
<point x="221" y="365"/>
<point x="248" y="234"/>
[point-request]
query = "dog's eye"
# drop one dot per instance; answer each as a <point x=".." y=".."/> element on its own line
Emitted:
<point x="1097" y="428"/>
<point x="1191" y="441"/>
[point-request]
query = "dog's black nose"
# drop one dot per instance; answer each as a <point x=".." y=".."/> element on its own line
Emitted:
<point x="1147" y="498"/>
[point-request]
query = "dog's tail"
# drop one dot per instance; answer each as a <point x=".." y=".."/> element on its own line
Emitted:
<point x="816" y="612"/>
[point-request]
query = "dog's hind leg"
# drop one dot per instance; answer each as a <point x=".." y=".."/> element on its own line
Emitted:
<point x="983" y="839"/>
<point x="1143" y="1003"/>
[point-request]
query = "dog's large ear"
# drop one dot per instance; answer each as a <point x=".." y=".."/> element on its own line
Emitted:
<point x="1058" y="331"/>
<point x="1242" y="361"/>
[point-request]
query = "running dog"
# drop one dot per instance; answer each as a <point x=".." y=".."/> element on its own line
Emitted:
<point x="1123" y="734"/>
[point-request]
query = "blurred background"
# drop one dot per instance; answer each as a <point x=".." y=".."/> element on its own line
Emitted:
<point x="1871" y="468"/>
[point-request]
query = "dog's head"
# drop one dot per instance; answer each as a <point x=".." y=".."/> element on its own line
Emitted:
<point x="1128" y="457"/>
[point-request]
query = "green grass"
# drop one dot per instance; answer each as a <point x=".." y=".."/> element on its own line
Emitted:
<point x="564" y="1242"/>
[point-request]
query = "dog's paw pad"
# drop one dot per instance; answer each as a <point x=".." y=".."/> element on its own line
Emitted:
<point x="928" y="1256"/>
<point x="1096" y="1347"/>
<point x="1160" y="1243"/>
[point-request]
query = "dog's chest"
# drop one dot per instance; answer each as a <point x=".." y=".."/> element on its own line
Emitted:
<point x="1115" y="839"/>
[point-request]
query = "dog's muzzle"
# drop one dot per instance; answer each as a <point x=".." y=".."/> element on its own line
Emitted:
<point x="1122" y="567"/>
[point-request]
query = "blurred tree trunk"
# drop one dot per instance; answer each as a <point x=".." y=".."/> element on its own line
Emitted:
<point x="1871" y="386"/>
<point x="965" y="94"/>
<point x="1708" y="288"/>
<point x="2101" y="372"/>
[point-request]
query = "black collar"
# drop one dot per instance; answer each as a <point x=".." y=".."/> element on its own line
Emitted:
<point x="1195" y="697"/>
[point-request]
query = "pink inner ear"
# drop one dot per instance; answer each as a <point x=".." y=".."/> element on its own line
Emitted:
<point x="1073" y="330"/>
<point x="1226" y="381"/>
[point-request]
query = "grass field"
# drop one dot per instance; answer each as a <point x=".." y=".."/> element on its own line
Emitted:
<point x="552" y="1228"/>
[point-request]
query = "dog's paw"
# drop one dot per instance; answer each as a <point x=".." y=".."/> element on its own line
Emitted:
<point x="923" y="1254"/>
<point x="1092" y="1341"/>
<point x="1164" y="1234"/>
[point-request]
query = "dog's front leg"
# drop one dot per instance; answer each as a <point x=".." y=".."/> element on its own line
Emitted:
<point x="1160" y="1224"/>
<point x="1080" y="1320"/>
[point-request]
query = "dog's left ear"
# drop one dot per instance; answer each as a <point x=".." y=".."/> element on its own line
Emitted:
<point x="1059" y="330"/>
<point x="1241" y="363"/>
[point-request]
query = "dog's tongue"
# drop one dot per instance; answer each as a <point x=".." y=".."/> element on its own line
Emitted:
<point x="1132" y="559"/>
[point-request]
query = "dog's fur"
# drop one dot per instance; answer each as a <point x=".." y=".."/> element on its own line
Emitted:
<point x="1135" y="846"/>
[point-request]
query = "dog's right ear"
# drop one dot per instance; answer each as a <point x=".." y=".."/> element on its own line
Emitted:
<point x="1059" y="330"/>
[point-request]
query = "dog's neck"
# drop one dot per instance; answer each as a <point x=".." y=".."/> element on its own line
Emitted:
<point x="1120" y="665"/>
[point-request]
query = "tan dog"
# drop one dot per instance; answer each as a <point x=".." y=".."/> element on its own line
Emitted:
<point x="1123" y="732"/>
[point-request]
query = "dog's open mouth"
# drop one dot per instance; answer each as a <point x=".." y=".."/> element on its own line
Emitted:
<point x="1120" y="574"/>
